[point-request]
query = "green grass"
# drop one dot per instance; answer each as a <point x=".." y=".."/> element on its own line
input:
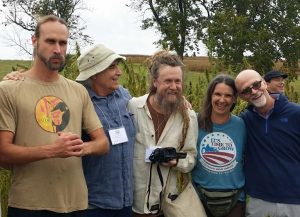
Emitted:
<point x="296" y="84"/>
<point x="7" y="66"/>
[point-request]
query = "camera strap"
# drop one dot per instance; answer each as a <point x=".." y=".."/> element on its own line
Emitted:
<point x="156" y="207"/>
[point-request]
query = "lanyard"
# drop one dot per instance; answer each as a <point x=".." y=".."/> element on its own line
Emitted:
<point x="104" y="113"/>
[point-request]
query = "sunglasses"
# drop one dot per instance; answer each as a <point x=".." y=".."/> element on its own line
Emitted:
<point x="248" y="90"/>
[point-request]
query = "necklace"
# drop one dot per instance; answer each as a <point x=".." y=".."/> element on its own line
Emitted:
<point x="159" y="120"/>
<point x="159" y="123"/>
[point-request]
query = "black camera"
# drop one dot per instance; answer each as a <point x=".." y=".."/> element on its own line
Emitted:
<point x="160" y="155"/>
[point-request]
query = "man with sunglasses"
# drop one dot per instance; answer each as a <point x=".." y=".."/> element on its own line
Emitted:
<point x="272" y="163"/>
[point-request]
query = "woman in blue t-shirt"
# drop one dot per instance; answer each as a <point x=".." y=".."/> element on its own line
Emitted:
<point x="218" y="174"/>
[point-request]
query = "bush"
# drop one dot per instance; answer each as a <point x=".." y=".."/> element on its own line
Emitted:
<point x="4" y="186"/>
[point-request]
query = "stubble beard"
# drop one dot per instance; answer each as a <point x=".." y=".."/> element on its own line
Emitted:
<point x="51" y="66"/>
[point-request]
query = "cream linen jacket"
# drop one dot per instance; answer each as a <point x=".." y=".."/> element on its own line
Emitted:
<point x="145" y="138"/>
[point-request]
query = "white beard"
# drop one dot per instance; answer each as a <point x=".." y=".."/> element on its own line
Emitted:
<point x="260" y="102"/>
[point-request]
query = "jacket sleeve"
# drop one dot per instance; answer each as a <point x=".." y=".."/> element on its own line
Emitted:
<point x="187" y="164"/>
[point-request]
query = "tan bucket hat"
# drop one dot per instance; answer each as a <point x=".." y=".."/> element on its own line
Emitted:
<point x="95" y="60"/>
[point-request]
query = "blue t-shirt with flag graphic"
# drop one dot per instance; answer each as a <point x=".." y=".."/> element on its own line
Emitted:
<point x="220" y="156"/>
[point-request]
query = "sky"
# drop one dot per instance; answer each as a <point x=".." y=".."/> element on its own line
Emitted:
<point x="109" y="22"/>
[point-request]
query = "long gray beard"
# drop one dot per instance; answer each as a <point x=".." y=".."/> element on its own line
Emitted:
<point x="166" y="106"/>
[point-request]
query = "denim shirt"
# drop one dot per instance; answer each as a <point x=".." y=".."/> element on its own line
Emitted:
<point x="110" y="177"/>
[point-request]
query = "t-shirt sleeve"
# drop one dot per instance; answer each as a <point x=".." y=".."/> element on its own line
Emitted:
<point x="8" y="117"/>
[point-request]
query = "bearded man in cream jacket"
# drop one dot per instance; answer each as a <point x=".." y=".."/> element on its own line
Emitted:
<point x="162" y="120"/>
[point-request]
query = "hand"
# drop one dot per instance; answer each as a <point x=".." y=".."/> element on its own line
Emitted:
<point x="171" y="163"/>
<point x="68" y="145"/>
<point x="14" y="75"/>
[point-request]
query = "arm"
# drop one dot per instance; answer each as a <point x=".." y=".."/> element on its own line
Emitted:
<point x="98" y="145"/>
<point x="66" y="145"/>
<point x="190" y="146"/>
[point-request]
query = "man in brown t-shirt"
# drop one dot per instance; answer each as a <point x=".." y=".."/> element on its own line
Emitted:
<point x="41" y="119"/>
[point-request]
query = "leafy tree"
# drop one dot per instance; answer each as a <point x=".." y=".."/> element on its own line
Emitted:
<point x="227" y="37"/>
<point x="24" y="14"/>
<point x="179" y="22"/>
<point x="264" y="31"/>
<point x="287" y="29"/>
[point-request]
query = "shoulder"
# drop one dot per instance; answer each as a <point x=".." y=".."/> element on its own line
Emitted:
<point x="123" y="92"/>
<point x="73" y="84"/>
<point x="283" y="104"/>
<point x="10" y="83"/>
<point x="294" y="106"/>
<point x="293" y="110"/>
<point x="192" y="114"/>
<point x="236" y="119"/>
<point x="137" y="103"/>
<point x="246" y="113"/>
<point x="10" y="86"/>
<point x="139" y="100"/>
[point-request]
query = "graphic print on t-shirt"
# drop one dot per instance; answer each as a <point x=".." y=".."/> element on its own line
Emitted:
<point x="52" y="114"/>
<point x="218" y="153"/>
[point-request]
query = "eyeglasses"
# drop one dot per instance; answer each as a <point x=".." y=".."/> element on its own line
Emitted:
<point x="248" y="90"/>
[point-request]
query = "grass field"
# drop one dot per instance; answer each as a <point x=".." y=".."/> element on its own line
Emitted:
<point x="10" y="65"/>
<point x="192" y="63"/>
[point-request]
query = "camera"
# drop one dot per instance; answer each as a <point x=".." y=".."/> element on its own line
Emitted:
<point x="160" y="155"/>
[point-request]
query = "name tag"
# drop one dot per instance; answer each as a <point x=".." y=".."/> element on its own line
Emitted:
<point x="118" y="135"/>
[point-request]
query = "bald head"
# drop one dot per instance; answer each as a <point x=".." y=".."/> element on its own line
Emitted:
<point x="245" y="78"/>
<point x="253" y="89"/>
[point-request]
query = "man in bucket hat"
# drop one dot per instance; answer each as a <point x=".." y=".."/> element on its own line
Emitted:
<point x="275" y="81"/>
<point x="109" y="178"/>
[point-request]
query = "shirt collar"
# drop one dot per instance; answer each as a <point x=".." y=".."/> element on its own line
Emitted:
<point x="93" y="95"/>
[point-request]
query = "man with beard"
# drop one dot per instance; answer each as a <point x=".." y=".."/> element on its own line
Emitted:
<point x="47" y="175"/>
<point x="272" y="163"/>
<point x="161" y="121"/>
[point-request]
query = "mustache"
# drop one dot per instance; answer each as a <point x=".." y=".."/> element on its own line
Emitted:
<point x="256" y="95"/>
<point x="57" y="56"/>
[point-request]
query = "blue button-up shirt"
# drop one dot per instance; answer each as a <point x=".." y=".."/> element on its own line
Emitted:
<point x="110" y="177"/>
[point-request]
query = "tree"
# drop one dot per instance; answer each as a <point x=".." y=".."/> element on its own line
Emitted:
<point x="264" y="31"/>
<point x="287" y="29"/>
<point x="259" y="31"/>
<point x="226" y="37"/>
<point x="179" y="22"/>
<point x="24" y="14"/>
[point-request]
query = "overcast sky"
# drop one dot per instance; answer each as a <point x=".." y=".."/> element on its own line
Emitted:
<point x="108" y="22"/>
